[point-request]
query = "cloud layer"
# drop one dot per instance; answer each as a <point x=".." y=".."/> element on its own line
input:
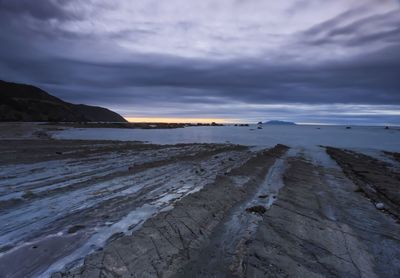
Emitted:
<point x="307" y="61"/>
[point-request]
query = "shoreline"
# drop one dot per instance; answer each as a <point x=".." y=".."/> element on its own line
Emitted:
<point x="79" y="206"/>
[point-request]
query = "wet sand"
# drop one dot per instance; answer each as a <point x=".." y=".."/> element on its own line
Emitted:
<point x="76" y="208"/>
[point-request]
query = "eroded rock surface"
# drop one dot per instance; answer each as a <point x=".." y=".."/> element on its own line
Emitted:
<point x="373" y="177"/>
<point x="144" y="210"/>
<point x="169" y="240"/>
<point x="60" y="200"/>
<point x="395" y="155"/>
<point x="320" y="227"/>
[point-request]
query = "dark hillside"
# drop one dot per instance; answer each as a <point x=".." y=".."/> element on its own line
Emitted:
<point x="20" y="102"/>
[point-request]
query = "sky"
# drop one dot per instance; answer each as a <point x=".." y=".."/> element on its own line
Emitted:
<point x="308" y="61"/>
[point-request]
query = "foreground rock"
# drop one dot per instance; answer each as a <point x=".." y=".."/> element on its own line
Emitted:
<point x="171" y="239"/>
<point x="61" y="200"/>
<point x="320" y="227"/>
<point x="395" y="155"/>
<point x="257" y="209"/>
<point x="373" y="177"/>
<point x="193" y="210"/>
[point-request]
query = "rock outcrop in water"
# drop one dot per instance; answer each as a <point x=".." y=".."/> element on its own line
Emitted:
<point x="26" y="103"/>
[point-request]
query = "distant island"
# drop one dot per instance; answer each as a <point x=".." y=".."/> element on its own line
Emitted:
<point x="279" y="123"/>
<point x="27" y="103"/>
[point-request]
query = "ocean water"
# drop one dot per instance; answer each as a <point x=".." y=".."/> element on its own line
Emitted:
<point x="295" y="136"/>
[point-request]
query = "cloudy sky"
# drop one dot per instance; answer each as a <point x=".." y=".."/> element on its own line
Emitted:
<point x="310" y="61"/>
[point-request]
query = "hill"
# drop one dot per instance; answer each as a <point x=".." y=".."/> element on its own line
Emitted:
<point x="279" y="123"/>
<point x="27" y="103"/>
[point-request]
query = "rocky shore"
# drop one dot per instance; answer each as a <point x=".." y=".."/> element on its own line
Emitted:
<point x="76" y="208"/>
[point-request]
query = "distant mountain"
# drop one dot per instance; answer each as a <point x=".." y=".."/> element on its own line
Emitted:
<point x="279" y="123"/>
<point x="26" y="103"/>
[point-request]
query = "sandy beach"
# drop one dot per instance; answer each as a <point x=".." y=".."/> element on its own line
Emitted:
<point x="108" y="208"/>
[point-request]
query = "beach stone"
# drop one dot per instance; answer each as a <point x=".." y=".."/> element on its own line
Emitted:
<point x="257" y="209"/>
<point x="379" y="205"/>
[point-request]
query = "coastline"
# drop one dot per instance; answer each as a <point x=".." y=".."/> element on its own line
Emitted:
<point x="79" y="206"/>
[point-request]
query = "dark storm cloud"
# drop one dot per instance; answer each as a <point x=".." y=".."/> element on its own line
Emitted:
<point x="360" y="80"/>
<point x="372" y="78"/>
<point x="81" y="64"/>
<point x="381" y="28"/>
<point x="41" y="10"/>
